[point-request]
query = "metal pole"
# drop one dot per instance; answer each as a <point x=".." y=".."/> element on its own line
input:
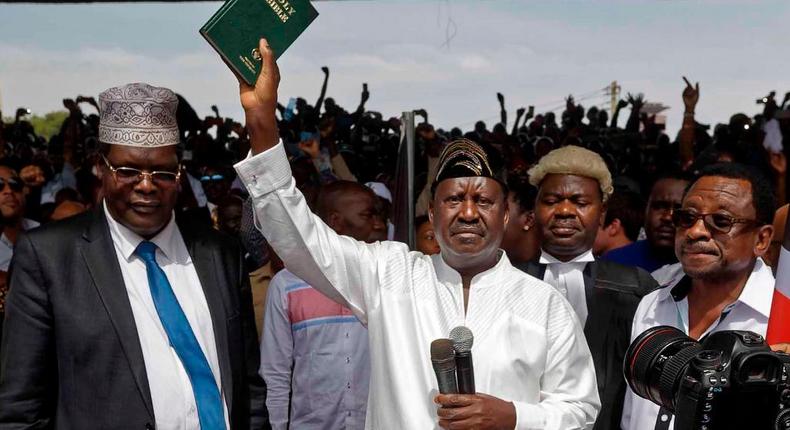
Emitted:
<point x="408" y="137"/>
<point x="614" y="91"/>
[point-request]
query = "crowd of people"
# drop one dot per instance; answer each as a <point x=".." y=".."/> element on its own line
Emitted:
<point x="606" y="213"/>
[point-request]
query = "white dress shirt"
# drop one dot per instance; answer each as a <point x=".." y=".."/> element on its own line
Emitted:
<point x="568" y="278"/>
<point x="171" y="392"/>
<point x="529" y="348"/>
<point x="667" y="307"/>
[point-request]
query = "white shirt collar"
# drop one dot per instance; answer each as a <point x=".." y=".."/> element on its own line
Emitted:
<point x="754" y="293"/>
<point x="586" y="257"/>
<point x="445" y="273"/>
<point x="127" y="240"/>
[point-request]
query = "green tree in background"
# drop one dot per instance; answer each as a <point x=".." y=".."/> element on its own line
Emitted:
<point x="47" y="125"/>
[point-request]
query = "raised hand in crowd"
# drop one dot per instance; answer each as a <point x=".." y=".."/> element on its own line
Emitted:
<point x="690" y="95"/>
<point x="519" y="114"/>
<point x="502" y="112"/>
<point x="636" y="102"/>
<point x="622" y="103"/>
<point x="688" y="130"/>
<point x="32" y="176"/>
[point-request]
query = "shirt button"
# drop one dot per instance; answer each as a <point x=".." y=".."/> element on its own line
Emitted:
<point x="348" y="360"/>
<point x="346" y="335"/>
<point x="348" y="385"/>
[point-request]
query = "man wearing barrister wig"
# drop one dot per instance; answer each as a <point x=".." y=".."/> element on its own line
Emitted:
<point x="121" y="318"/>
<point x="533" y="369"/>
<point x="574" y="185"/>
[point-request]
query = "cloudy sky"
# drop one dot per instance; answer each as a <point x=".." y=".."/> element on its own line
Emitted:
<point x="449" y="56"/>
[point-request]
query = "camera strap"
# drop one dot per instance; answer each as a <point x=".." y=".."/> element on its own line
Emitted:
<point x="663" y="419"/>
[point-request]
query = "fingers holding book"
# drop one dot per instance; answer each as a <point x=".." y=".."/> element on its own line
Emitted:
<point x="260" y="101"/>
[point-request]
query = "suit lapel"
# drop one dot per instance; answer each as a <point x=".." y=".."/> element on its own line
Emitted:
<point x="595" y="326"/>
<point x="207" y="267"/>
<point x="99" y="255"/>
<point x="590" y="272"/>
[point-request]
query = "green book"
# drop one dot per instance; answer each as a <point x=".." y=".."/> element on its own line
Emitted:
<point x="235" y="29"/>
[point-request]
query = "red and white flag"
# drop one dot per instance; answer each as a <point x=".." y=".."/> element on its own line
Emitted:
<point x="779" y="321"/>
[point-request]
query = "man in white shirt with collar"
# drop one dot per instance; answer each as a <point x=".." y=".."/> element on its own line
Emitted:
<point x="573" y="187"/>
<point x="530" y="357"/>
<point x="723" y="229"/>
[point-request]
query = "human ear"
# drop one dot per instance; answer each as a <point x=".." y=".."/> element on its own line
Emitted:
<point x="763" y="240"/>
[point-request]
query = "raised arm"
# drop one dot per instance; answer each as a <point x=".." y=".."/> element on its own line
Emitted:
<point x="620" y="105"/>
<point x="688" y="130"/>
<point x="519" y="113"/>
<point x="502" y="111"/>
<point x="340" y="267"/>
<point x="320" y="102"/>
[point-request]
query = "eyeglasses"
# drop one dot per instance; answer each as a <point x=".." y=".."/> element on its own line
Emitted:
<point x="130" y="175"/>
<point x="15" y="184"/>
<point x="211" y="178"/>
<point x="718" y="222"/>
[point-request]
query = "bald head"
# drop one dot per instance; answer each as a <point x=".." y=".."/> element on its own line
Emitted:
<point x="67" y="209"/>
<point x="349" y="208"/>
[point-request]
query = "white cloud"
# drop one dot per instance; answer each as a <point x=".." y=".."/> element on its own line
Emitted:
<point x="535" y="53"/>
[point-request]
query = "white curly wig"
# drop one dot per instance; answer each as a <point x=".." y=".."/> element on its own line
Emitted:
<point x="573" y="160"/>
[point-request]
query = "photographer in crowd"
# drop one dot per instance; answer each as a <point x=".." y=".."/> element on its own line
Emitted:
<point x="723" y="229"/>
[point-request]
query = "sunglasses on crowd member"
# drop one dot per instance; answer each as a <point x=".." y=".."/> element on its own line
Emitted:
<point x="130" y="175"/>
<point x="16" y="184"/>
<point x="717" y="222"/>
<point x="212" y="178"/>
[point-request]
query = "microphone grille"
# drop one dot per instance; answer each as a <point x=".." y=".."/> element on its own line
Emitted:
<point x="462" y="339"/>
<point x="442" y="352"/>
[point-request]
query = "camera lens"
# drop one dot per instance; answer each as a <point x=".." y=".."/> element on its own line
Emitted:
<point x="655" y="362"/>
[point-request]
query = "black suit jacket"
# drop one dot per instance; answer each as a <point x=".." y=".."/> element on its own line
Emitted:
<point x="70" y="355"/>
<point x="613" y="293"/>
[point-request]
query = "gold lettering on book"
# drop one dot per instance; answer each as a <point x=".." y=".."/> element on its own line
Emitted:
<point x="247" y="63"/>
<point x="281" y="8"/>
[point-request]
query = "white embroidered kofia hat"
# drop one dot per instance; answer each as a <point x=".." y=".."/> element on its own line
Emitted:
<point x="138" y="115"/>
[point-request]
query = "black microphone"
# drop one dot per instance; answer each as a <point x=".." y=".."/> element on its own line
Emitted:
<point x="443" y="360"/>
<point x="462" y="344"/>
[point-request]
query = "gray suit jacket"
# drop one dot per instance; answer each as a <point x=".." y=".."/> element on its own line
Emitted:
<point x="70" y="356"/>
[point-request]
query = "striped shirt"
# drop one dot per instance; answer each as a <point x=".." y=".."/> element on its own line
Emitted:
<point x="314" y="356"/>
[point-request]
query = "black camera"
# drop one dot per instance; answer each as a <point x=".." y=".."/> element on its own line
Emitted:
<point x="728" y="380"/>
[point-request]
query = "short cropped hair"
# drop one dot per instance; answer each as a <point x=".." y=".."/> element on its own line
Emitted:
<point x="762" y="191"/>
<point x="573" y="160"/>
<point x="629" y="208"/>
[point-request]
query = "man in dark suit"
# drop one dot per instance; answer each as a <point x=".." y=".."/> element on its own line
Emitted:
<point x="573" y="186"/>
<point x="122" y="318"/>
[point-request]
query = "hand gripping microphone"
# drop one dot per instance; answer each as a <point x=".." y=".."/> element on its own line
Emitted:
<point x="443" y="360"/>
<point x="462" y="344"/>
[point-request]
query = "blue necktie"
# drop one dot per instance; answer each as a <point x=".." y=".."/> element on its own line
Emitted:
<point x="183" y="340"/>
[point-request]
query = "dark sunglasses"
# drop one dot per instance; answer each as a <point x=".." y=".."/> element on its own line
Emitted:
<point x="15" y="184"/>
<point x="211" y="178"/>
<point x="718" y="222"/>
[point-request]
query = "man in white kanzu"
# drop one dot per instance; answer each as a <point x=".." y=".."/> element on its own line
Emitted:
<point x="533" y="369"/>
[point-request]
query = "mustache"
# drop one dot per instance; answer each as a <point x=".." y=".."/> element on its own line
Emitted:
<point x="467" y="228"/>
<point x="699" y="248"/>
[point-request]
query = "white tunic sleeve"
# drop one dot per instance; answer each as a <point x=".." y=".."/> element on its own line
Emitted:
<point x="342" y="268"/>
